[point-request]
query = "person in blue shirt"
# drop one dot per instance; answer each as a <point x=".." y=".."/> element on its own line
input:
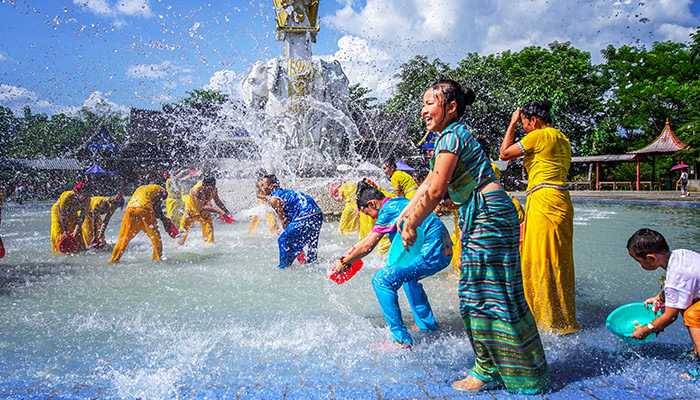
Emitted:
<point x="301" y="219"/>
<point x="435" y="255"/>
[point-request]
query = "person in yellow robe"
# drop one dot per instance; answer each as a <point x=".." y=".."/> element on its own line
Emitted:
<point x="94" y="225"/>
<point x="140" y="215"/>
<point x="271" y="217"/>
<point x="547" y="247"/>
<point x="173" y="203"/>
<point x="349" y="218"/>
<point x="67" y="216"/>
<point x="402" y="183"/>
<point x="199" y="209"/>
<point x="367" y="223"/>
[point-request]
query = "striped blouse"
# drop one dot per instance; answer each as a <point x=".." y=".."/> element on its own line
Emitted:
<point x="473" y="168"/>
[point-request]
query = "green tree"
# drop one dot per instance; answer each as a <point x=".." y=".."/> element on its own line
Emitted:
<point x="649" y="86"/>
<point x="415" y="76"/>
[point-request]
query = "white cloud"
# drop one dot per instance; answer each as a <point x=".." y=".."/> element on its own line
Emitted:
<point x="117" y="9"/>
<point x="152" y="71"/>
<point x="16" y="98"/>
<point x="366" y="65"/>
<point x="449" y="29"/>
<point x="226" y="82"/>
<point x="137" y="8"/>
<point x="10" y="94"/>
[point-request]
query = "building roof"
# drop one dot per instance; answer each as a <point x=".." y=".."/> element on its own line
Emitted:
<point x="99" y="139"/>
<point x="667" y="142"/>
<point x="41" y="163"/>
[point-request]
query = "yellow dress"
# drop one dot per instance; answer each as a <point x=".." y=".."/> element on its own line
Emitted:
<point x="349" y="220"/>
<point x="404" y="182"/>
<point x="93" y="220"/>
<point x="194" y="213"/>
<point x="68" y="208"/>
<point x="139" y="216"/>
<point x="547" y="248"/>
<point x="367" y="223"/>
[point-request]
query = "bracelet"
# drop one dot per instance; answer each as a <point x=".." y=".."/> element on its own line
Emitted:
<point x="650" y="326"/>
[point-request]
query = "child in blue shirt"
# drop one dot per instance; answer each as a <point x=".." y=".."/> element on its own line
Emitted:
<point x="435" y="255"/>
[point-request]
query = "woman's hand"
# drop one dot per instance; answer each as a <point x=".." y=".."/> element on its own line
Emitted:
<point x="408" y="236"/>
<point x="515" y="118"/>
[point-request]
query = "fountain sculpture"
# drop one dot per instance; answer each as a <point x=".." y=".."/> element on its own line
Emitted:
<point x="301" y="100"/>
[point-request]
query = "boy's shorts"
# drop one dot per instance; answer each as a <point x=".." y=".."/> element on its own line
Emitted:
<point x="691" y="315"/>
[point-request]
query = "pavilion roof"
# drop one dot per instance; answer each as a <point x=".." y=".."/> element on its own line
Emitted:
<point x="667" y="142"/>
<point x="604" y="158"/>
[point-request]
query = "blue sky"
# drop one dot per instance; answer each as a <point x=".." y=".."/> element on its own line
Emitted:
<point x="59" y="55"/>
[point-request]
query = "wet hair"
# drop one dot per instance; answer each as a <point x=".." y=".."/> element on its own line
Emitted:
<point x="390" y="161"/>
<point x="273" y="180"/>
<point x="540" y="109"/>
<point x="209" y="180"/>
<point x="366" y="191"/>
<point x="646" y="241"/>
<point x="449" y="91"/>
<point x="260" y="173"/>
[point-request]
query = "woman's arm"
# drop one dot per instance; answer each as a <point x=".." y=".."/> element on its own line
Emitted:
<point x="439" y="180"/>
<point x="509" y="150"/>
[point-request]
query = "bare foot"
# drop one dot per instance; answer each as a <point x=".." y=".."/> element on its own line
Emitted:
<point x="469" y="384"/>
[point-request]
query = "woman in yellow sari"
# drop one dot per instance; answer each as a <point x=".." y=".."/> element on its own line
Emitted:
<point x="547" y="246"/>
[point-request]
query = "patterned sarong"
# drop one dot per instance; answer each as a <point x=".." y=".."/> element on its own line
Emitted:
<point x="498" y="321"/>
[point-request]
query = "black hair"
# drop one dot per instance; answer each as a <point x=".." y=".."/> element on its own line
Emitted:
<point x="273" y="180"/>
<point x="209" y="180"/>
<point x="390" y="161"/>
<point x="367" y="191"/>
<point x="540" y="109"/>
<point x="452" y="91"/>
<point x="646" y="241"/>
<point x="260" y="173"/>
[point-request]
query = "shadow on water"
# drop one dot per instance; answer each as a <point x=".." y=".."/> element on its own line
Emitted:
<point x="20" y="275"/>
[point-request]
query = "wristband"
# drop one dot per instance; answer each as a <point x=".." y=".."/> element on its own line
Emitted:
<point x="650" y="326"/>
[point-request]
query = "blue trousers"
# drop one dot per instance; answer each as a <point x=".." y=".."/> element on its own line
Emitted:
<point x="298" y="234"/>
<point x="386" y="284"/>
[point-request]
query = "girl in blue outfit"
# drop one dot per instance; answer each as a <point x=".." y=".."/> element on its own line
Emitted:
<point x="435" y="255"/>
<point x="301" y="219"/>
